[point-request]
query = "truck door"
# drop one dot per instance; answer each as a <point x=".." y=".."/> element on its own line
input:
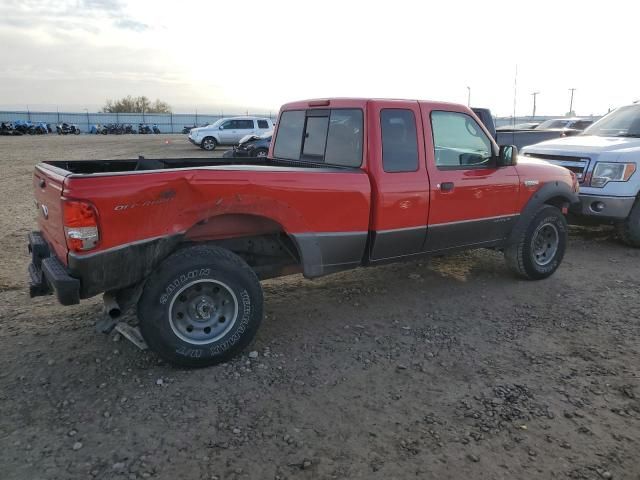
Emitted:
<point x="400" y="185"/>
<point x="473" y="202"/>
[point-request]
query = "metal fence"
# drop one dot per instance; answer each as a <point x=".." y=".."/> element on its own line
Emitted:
<point x="166" y="122"/>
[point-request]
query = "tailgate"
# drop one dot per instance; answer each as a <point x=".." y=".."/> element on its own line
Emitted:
<point x="47" y="190"/>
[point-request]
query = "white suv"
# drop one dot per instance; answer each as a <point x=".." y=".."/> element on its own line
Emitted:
<point x="228" y="131"/>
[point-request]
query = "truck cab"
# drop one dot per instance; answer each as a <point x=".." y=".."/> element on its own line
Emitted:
<point x="605" y="160"/>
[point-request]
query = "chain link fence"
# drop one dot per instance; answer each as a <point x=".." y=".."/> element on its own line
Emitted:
<point x="166" y="122"/>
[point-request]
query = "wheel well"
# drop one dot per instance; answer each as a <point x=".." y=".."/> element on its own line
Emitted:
<point x="260" y="241"/>
<point x="558" y="201"/>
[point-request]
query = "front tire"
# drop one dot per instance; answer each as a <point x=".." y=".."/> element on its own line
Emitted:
<point x="209" y="144"/>
<point x="539" y="250"/>
<point x="629" y="229"/>
<point x="201" y="307"/>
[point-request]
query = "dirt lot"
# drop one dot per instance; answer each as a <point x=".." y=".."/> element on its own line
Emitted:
<point x="443" y="369"/>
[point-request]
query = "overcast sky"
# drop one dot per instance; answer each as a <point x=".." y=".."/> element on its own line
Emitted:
<point x="234" y="55"/>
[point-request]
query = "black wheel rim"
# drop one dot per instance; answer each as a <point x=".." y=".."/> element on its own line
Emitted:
<point x="203" y="311"/>
<point x="544" y="244"/>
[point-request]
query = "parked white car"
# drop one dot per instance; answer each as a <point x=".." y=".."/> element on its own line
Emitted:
<point x="228" y="131"/>
<point x="606" y="160"/>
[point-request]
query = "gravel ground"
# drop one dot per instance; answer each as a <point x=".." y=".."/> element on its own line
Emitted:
<point x="448" y="368"/>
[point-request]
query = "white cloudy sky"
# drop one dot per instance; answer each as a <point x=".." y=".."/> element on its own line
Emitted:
<point x="230" y="54"/>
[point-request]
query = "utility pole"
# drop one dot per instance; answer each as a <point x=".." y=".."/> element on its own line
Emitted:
<point x="469" y="97"/>
<point x="571" y="101"/>
<point x="534" y="94"/>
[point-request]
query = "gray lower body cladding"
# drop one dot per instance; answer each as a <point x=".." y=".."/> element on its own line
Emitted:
<point x="480" y="232"/>
<point x="325" y="253"/>
<point x="120" y="267"/>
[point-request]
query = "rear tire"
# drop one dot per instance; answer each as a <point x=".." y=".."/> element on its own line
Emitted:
<point x="209" y="144"/>
<point x="202" y="306"/>
<point x="629" y="229"/>
<point x="539" y="250"/>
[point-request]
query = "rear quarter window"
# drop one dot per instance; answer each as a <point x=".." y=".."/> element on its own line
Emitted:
<point x="263" y="124"/>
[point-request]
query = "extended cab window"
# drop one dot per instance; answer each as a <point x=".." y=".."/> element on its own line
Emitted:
<point x="459" y="142"/>
<point x="399" y="140"/>
<point x="332" y="136"/>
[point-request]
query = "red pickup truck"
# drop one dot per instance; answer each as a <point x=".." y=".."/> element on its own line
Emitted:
<point x="347" y="183"/>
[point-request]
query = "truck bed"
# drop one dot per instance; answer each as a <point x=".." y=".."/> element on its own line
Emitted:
<point x="87" y="167"/>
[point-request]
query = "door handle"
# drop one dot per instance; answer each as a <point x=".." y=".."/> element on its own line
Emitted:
<point x="446" y="186"/>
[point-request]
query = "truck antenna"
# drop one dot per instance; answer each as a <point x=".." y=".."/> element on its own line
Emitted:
<point x="513" y="120"/>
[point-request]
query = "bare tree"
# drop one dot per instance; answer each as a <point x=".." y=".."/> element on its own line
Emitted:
<point x="140" y="104"/>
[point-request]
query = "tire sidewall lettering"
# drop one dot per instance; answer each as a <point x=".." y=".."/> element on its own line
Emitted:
<point x="240" y="328"/>
<point x="180" y="281"/>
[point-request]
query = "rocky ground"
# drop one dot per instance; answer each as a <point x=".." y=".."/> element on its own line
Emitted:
<point x="449" y="368"/>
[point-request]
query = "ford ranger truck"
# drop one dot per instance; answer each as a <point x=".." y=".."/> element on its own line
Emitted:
<point x="605" y="158"/>
<point x="347" y="183"/>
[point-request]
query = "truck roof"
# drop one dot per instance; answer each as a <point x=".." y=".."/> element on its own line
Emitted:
<point x="361" y="101"/>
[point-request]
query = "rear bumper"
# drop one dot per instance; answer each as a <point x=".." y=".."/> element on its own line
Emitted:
<point x="605" y="207"/>
<point x="48" y="275"/>
<point x="94" y="273"/>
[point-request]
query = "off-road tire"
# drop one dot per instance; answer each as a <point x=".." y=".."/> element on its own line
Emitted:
<point x="209" y="144"/>
<point x="190" y="268"/>
<point x="520" y="254"/>
<point x="629" y="229"/>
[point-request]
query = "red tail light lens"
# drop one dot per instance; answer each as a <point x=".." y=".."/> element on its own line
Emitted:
<point x="80" y="225"/>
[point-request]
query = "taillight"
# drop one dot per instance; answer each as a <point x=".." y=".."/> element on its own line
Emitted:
<point x="80" y="225"/>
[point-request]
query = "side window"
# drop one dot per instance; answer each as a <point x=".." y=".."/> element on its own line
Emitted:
<point x="459" y="142"/>
<point x="228" y="125"/>
<point x="399" y="140"/>
<point x="244" y="124"/>
<point x="263" y="124"/>
<point x="289" y="138"/>
<point x="344" y="142"/>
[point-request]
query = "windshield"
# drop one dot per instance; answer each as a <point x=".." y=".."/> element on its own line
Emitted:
<point x="623" y="122"/>
<point x="554" y="124"/>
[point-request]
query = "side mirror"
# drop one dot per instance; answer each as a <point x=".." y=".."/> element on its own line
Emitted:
<point x="508" y="156"/>
<point x="221" y="127"/>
